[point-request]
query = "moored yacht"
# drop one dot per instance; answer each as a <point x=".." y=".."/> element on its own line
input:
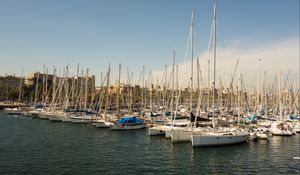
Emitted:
<point x="129" y="123"/>
<point x="218" y="138"/>
<point x="102" y="123"/>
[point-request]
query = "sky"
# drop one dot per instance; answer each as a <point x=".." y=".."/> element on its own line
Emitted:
<point x="137" y="33"/>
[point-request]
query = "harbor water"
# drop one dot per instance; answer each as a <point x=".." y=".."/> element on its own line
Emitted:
<point x="34" y="146"/>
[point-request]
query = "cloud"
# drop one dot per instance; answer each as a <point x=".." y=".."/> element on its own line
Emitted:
<point x="281" y="56"/>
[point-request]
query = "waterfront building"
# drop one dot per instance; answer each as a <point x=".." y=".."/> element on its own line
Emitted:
<point x="10" y="87"/>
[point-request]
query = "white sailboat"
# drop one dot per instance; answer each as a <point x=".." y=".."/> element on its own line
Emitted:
<point x="219" y="137"/>
<point x="280" y="127"/>
<point x="183" y="133"/>
<point x="104" y="122"/>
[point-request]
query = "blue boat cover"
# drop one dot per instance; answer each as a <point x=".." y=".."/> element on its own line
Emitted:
<point x="130" y="120"/>
<point x="251" y="119"/>
<point x="294" y="117"/>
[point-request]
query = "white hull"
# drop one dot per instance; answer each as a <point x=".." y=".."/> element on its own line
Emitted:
<point x="218" y="139"/>
<point x="161" y="130"/>
<point x="166" y="129"/>
<point x="43" y="117"/>
<point x="262" y="136"/>
<point x="297" y="127"/>
<point x="66" y="119"/>
<point x="168" y="134"/>
<point x="279" y="132"/>
<point x="181" y="135"/>
<point x="279" y="129"/>
<point x="184" y="134"/>
<point x="102" y="124"/>
<point x="10" y="109"/>
<point x="13" y="111"/>
<point x="128" y="127"/>
<point x="157" y="130"/>
<point x="35" y="113"/>
<point x="55" y="119"/>
<point x="264" y="123"/>
<point x="252" y="136"/>
<point x="79" y="121"/>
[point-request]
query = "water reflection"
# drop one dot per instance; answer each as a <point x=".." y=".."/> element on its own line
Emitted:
<point x="64" y="148"/>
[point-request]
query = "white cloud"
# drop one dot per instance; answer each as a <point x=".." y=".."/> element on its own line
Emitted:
<point x="275" y="57"/>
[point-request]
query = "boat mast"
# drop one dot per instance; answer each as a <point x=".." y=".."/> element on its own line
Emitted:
<point x="36" y="88"/>
<point x="46" y="86"/>
<point x="143" y="87"/>
<point x="77" y="88"/>
<point x="43" y="86"/>
<point x="86" y="89"/>
<point x="21" y="84"/>
<point x="107" y="87"/>
<point x="131" y="93"/>
<point x="173" y="86"/>
<point x="238" y="96"/>
<point x="214" y="76"/>
<point x="101" y="94"/>
<point x="53" y="85"/>
<point x="192" y="61"/>
<point x="208" y="84"/>
<point x="258" y="90"/>
<point x="118" y="105"/>
<point x="165" y="91"/>
<point x="81" y="88"/>
<point x="198" y="74"/>
<point x="266" y="94"/>
<point x="280" y="96"/>
<point x="151" y="88"/>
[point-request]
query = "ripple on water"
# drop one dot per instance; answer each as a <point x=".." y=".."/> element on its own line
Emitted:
<point x="43" y="147"/>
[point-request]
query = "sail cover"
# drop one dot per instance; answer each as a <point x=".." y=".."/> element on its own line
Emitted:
<point x="129" y="120"/>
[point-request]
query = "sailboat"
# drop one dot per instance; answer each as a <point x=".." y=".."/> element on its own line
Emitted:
<point x="280" y="127"/>
<point x="104" y="122"/>
<point x="183" y="134"/>
<point x="177" y="130"/>
<point x="217" y="137"/>
<point x="129" y="123"/>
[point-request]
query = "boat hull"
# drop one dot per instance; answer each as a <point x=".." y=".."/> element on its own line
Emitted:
<point x="181" y="135"/>
<point x="281" y="133"/>
<point x="262" y="136"/>
<point x="80" y="121"/>
<point x="102" y="124"/>
<point x="55" y="119"/>
<point x="66" y="119"/>
<point x="14" y="113"/>
<point x="128" y="127"/>
<point x="217" y="139"/>
<point x="156" y="131"/>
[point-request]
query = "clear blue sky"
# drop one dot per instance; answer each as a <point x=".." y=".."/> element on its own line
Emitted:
<point x="131" y="32"/>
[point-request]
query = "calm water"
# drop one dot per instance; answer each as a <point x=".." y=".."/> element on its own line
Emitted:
<point x="33" y="146"/>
